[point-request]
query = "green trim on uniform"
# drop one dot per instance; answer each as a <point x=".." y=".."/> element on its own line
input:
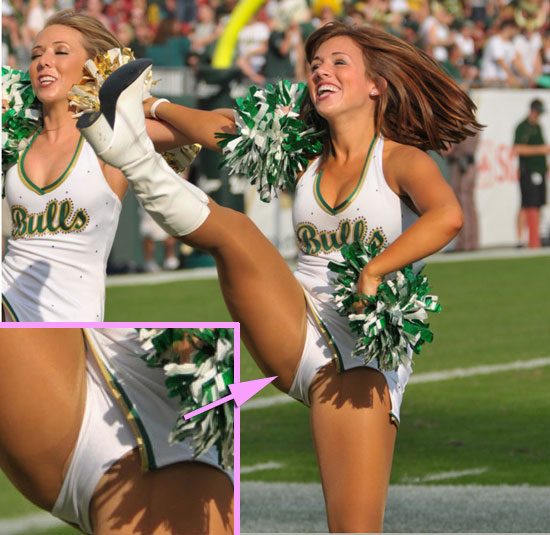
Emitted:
<point x="142" y="438"/>
<point x="47" y="189"/>
<point x="343" y="205"/>
<point x="337" y="356"/>
<point x="9" y="309"/>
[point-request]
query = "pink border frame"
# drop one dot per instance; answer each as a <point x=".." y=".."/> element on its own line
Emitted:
<point x="171" y="324"/>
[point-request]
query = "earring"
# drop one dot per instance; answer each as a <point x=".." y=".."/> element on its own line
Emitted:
<point x="373" y="92"/>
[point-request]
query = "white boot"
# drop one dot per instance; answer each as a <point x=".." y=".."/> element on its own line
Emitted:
<point x="117" y="134"/>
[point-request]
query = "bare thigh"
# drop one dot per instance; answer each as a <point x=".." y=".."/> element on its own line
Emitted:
<point x="354" y="441"/>
<point x="42" y="389"/>
<point x="180" y="499"/>
<point x="259" y="289"/>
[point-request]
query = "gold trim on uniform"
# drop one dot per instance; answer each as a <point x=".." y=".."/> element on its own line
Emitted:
<point x="49" y="188"/>
<point x="343" y="205"/>
<point x="8" y="310"/>
<point x="326" y="334"/>
<point x="123" y="404"/>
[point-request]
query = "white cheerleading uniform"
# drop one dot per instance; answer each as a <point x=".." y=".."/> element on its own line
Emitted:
<point x="372" y="213"/>
<point x="127" y="407"/>
<point x="55" y="265"/>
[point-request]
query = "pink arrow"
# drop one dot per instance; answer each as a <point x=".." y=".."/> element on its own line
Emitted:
<point x="240" y="392"/>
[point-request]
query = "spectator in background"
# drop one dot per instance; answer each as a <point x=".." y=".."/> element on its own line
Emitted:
<point x="544" y="80"/>
<point x="39" y="12"/>
<point x="499" y="57"/>
<point x="409" y="31"/>
<point x="399" y="6"/>
<point x="461" y="71"/>
<point x="94" y="8"/>
<point x="355" y="13"/>
<point x="528" y="44"/>
<point x="461" y="158"/>
<point x="125" y="32"/>
<point x="464" y="38"/>
<point x="530" y="146"/>
<point x="285" y="45"/>
<point x="326" y="11"/>
<point x="436" y="33"/>
<point x="476" y="11"/>
<point x="10" y="35"/>
<point x="118" y="11"/>
<point x="141" y="40"/>
<point x="168" y="49"/>
<point x="206" y="29"/>
<point x="186" y="10"/>
<point x="252" y="46"/>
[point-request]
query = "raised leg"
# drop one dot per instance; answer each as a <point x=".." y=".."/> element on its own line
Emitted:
<point x="259" y="289"/>
<point x="188" y="497"/>
<point x="354" y="441"/>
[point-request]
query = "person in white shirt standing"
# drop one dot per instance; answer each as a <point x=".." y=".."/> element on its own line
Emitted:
<point x="528" y="45"/>
<point x="499" y="57"/>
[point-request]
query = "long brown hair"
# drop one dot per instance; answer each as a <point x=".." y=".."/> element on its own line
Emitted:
<point x="97" y="39"/>
<point x="421" y="105"/>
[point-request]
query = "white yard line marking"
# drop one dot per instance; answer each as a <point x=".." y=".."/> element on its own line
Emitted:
<point x="262" y="403"/>
<point x="145" y="279"/>
<point x="503" y="253"/>
<point x="457" y="373"/>
<point x="24" y="524"/>
<point x="261" y="466"/>
<point x="443" y="475"/>
<point x="428" y="377"/>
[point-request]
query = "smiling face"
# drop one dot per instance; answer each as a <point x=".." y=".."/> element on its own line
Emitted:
<point x="57" y="61"/>
<point x="338" y="83"/>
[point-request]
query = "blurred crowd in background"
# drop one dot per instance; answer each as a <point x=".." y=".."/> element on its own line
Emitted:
<point x="481" y="43"/>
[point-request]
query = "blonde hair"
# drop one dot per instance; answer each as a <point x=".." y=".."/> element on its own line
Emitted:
<point x="97" y="39"/>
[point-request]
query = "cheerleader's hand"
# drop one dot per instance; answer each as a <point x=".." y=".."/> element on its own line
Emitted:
<point x="147" y="104"/>
<point x="367" y="286"/>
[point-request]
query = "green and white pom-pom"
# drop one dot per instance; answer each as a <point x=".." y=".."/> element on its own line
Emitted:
<point x="197" y="383"/>
<point x="394" y="319"/>
<point x="21" y="117"/>
<point x="271" y="143"/>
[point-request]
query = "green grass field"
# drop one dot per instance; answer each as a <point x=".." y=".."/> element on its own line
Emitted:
<point x="494" y="311"/>
<point x="490" y="421"/>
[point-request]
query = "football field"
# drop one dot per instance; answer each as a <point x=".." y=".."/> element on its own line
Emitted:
<point x="473" y="448"/>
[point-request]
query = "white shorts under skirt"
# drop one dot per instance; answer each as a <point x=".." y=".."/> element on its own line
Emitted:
<point x="108" y="430"/>
<point x="324" y="345"/>
<point x="104" y="438"/>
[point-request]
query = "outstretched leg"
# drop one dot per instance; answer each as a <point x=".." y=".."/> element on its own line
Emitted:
<point x="354" y="441"/>
<point x="259" y="288"/>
